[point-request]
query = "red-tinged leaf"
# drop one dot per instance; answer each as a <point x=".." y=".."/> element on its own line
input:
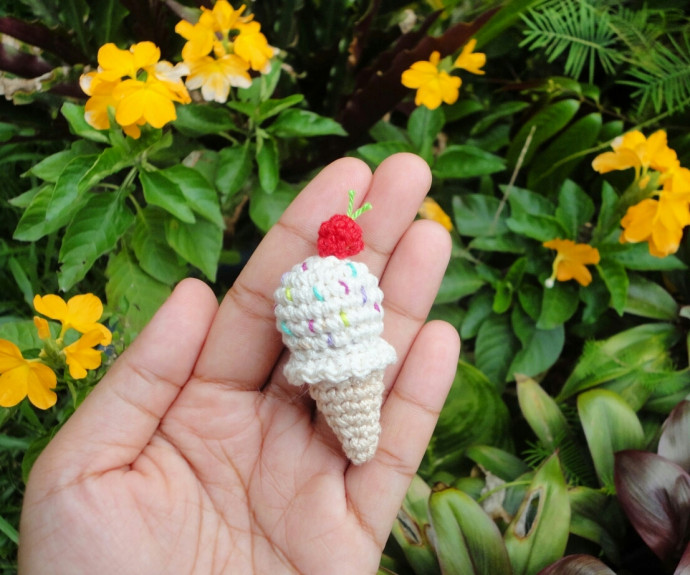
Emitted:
<point x="577" y="565"/>
<point x="673" y="443"/>
<point x="655" y="495"/>
<point x="42" y="37"/>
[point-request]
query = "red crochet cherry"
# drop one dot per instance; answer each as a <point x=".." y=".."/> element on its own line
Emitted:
<point x="341" y="236"/>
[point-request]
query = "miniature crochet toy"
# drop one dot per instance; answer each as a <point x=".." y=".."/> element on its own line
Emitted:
<point x="328" y="309"/>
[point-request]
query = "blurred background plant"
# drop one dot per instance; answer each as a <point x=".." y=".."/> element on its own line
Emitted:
<point x="146" y="141"/>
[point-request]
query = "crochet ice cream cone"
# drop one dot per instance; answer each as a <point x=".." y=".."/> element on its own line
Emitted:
<point x="329" y="310"/>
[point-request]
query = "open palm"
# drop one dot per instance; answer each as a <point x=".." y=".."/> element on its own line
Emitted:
<point x="194" y="455"/>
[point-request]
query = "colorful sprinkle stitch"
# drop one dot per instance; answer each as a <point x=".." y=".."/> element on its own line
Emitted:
<point x="364" y="295"/>
<point x="288" y="294"/>
<point x="285" y="328"/>
<point x="311" y="326"/>
<point x="347" y="289"/>
<point x="304" y="266"/>
<point x="344" y="318"/>
<point x="330" y="340"/>
<point x="376" y="307"/>
<point x="353" y="268"/>
<point x="317" y="295"/>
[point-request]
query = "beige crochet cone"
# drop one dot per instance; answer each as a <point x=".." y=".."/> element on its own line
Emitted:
<point x="352" y="409"/>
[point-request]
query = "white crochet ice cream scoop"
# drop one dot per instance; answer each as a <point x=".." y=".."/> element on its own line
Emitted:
<point x="329" y="311"/>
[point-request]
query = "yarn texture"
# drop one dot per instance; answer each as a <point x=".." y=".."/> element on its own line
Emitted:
<point x="329" y="311"/>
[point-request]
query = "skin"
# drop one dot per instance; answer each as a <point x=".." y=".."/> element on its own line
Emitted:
<point x="194" y="455"/>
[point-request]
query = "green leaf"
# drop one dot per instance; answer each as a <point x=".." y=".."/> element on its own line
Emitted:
<point x="423" y="127"/>
<point x="74" y="115"/>
<point x="525" y="202"/>
<point x="637" y="257"/>
<point x="540" y="228"/>
<point x="538" y="534"/>
<point x="384" y="131"/>
<point x="467" y="539"/>
<point x="293" y="123"/>
<point x="199" y="243"/>
<point x="554" y="164"/>
<point x="110" y="161"/>
<point x="9" y="531"/>
<point x="538" y="353"/>
<point x="495" y="348"/>
<point x="273" y="107"/>
<point x="461" y="279"/>
<point x="502" y="110"/>
<point x="412" y="526"/>
<point x="154" y="254"/>
<point x="575" y="208"/>
<point x="202" y="119"/>
<point x="647" y="298"/>
<point x="465" y="161"/>
<point x="66" y="192"/>
<point x="558" y="305"/>
<point x="265" y="209"/>
<point x="22" y="333"/>
<point x="543" y="125"/>
<point x="616" y="280"/>
<point x="478" y="310"/>
<point x="473" y="414"/>
<point x="199" y="193"/>
<point x="541" y="413"/>
<point x="508" y="285"/>
<point x="234" y="168"/>
<point x="31" y="455"/>
<point x="478" y="215"/>
<point x="133" y="295"/>
<point x="162" y="192"/>
<point x="50" y="168"/>
<point x="269" y="166"/>
<point x="610" y="425"/>
<point x="374" y="154"/>
<point x="34" y="223"/>
<point x="93" y="233"/>
<point x="497" y="461"/>
<point x="21" y="279"/>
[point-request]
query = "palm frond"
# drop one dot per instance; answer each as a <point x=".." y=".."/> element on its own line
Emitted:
<point x="579" y="30"/>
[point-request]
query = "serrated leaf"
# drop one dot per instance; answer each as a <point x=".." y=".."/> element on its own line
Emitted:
<point x="164" y="193"/>
<point x="467" y="539"/>
<point x="610" y="425"/>
<point x="154" y="254"/>
<point x="466" y="161"/>
<point x="269" y="166"/>
<point x="133" y="295"/>
<point x="199" y="243"/>
<point x="293" y="123"/>
<point x="199" y="193"/>
<point x="461" y="279"/>
<point x="93" y="232"/>
<point x="538" y="534"/>
<point x="234" y="168"/>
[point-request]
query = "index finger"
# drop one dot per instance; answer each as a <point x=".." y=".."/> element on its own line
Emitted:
<point x="243" y="344"/>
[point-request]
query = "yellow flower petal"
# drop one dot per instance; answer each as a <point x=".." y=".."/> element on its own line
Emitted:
<point x="10" y="356"/>
<point x="433" y="86"/>
<point x="251" y="45"/>
<point x="430" y="210"/>
<point x="14" y="386"/>
<point x="52" y="306"/>
<point x="199" y="40"/>
<point x="40" y="383"/>
<point x="469" y="61"/>
<point x="614" y="161"/>
<point x="81" y="313"/>
<point x="144" y="55"/>
<point x="42" y="327"/>
<point x="215" y="77"/>
<point x="571" y="259"/>
<point x="80" y="356"/>
<point x="151" y="101"/>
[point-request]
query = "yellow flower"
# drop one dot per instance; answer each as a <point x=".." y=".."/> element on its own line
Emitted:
<point x="199" y="38"/>
<point x="659" y="222"/>
<point x="215" y="77"/>
<point x="80" y="356"/>
<point x="145" y="102"/>
<point x="115" y="63"/>
<point x="633" y="150"/>
<point x="81" y="313"/>
<point x="571" y="261"/>
<point x="20" y="378"/>
<point x="432" y="84"/>
<point x="430" y="210"/>
<point x="251" y="45"/>
<point x="472" y="62"/>
<point x="42" y="327"/>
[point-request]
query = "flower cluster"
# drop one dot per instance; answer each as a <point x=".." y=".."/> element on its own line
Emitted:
<point x="221" y="49"/>
<point x="35" y="378"/>
<point x="659" y="218"/>
<point x="139" y="87"/>
<point x="432" y="80"/>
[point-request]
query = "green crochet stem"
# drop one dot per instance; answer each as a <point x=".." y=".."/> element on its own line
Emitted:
<point x="351" y="204"/>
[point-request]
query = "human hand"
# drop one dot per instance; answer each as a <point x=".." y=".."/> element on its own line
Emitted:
<point x="194" y="455"/>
